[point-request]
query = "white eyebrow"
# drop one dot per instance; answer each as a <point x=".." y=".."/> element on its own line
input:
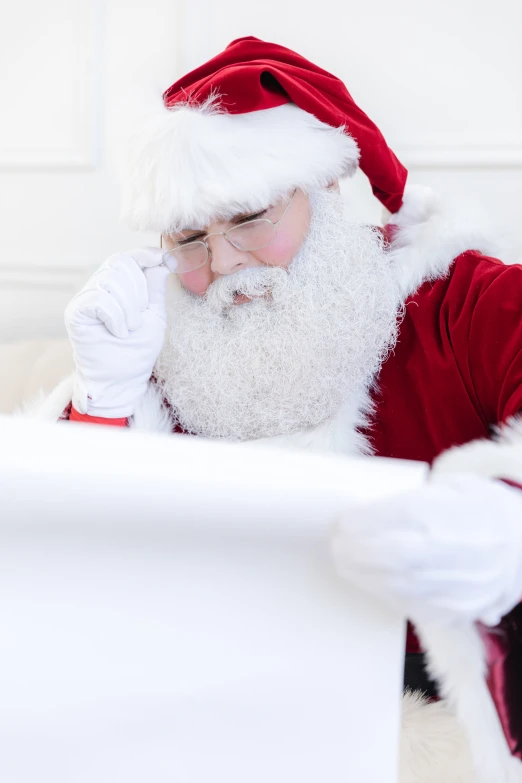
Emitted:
<point x="225" y="219"/>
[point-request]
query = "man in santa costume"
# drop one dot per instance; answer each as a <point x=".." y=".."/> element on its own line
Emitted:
<point x="285" y="321"/>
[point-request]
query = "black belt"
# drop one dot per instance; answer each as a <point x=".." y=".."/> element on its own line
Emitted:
<point x="416" y="677"/>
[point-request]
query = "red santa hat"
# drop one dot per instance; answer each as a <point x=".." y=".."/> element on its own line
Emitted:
<point x="243" y="130"/>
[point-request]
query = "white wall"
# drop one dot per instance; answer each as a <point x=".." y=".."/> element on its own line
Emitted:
<point x="441" y="79"/>
<point x="70" y="80"/>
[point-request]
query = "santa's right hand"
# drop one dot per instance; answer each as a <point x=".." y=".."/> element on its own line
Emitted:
<point x="116" y="325"/>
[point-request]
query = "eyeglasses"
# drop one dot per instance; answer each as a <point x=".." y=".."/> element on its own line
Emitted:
<point x="251" y="235"/>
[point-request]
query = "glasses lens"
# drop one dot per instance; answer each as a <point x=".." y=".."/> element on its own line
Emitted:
<point x="186" y="258"/>
<point x="252" y="235"/>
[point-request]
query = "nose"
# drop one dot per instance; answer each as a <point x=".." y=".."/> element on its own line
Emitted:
<point x="225" y="258"/>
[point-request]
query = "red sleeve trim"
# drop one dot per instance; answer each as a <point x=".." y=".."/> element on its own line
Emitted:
<point x="75" y="416"/>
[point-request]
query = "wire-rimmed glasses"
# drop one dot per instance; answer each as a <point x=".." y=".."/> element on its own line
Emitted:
<point x="248" y="236"/>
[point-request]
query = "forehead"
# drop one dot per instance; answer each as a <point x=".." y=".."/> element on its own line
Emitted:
<point x="202" y="215"/>
<point x="224" y="216"/>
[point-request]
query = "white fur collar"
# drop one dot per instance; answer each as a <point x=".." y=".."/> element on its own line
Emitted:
<point x="429" y="237"/>
<point x="340" y="434"/>
<point x="51" y="406"/>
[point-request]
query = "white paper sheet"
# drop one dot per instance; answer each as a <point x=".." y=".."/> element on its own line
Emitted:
<point x="169" y="613"/>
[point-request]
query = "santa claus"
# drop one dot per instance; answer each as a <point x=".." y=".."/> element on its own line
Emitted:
<point x="269" y="313"/>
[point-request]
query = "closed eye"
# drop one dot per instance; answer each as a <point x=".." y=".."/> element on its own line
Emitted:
<point x="252" y="217"/>
<point x="196" y="238"/>
<point x="238" y="222"/>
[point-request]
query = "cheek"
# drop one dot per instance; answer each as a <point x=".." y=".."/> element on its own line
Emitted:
<point x="282" y="251"/>
<point x="198" y="281"/>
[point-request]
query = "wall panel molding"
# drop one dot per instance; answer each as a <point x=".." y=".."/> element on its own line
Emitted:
<point x="53" y="97"/>
<point x="32" y="276"/>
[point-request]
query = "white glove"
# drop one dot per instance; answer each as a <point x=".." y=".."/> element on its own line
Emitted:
<point x="116" y="325"/>
<point x="450" y="550"/>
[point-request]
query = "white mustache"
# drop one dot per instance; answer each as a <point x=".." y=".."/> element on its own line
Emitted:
<point x="252" y="282"/>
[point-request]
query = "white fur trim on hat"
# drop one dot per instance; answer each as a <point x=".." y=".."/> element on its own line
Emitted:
<point x="192" y="164"/>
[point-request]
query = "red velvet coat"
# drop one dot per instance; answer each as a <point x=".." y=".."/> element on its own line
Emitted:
<point x="456" y="370"/>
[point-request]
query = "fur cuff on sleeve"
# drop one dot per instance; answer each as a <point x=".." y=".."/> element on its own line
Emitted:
<point x="500" y="457"/>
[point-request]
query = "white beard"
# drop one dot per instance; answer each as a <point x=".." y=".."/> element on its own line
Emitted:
<point x="281" y="364"/>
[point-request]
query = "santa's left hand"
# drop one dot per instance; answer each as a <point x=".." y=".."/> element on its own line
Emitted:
<point x="449" y="550"/>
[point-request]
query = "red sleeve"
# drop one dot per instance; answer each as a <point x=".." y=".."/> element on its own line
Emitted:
<point x="484" y="326"/>
<point x="75" y="416"/>
<point x="495" y="340"/>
